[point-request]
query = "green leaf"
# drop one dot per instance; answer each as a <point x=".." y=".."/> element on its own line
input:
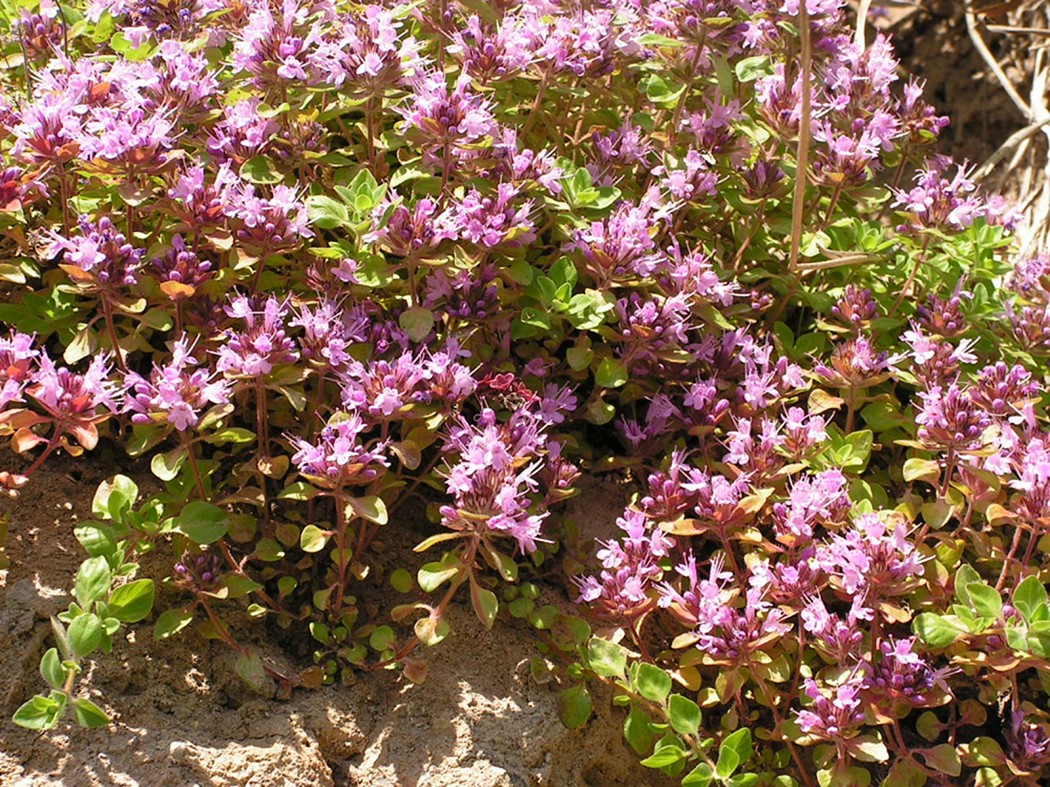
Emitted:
<point x="751" y="68"/>
<point x="485" y="604"/>
<point x="13" y="273"/>
<point x="564" y="272"/>
<point x="664" y="757"/>
<point x="40" y="713"/>
<point x="259" y="169"/>
<point x="401" y="580"/>
<point x="1036" y="642"/>
<point x="88" y="714"/>
<point x="143" y="438"/>
<point x="51" y="668"/>
<point x="660" y="91"/>
<point x="943" y="758"/>
<point x="652" y="682"/>
<point x="685" y="715"/>
<point x="250" y="669"/>
<point x="243" y="528"/>
<point x="268" y="550"/>
<point x="288" y="534"/>
<point x="579" y="358"/>
<point x="964" y="576"/>
<point x="987" y="751"/>
<point x="521" y="272"/>
<point x="869" y="748"/>
<point x="296" y="398"/>
<point x="544" y="290"/>
<point x="608" y="659"/>
<point x="587" y="310"/>
<point x="121" y="44"/>
<point x="1030" y="599"/>
<point x="85" y="343"/>
<point x="432" y="575"/>
<point x="285" y="586"/>
<point x="434" y="540"/>
<point x="202" y="522"/>
<point x="85" y="634"/>
<point x="734" y="751"/>
<point x="916" y="469"/>
<point x="157" y="319"/>
<point x="929" y="726"/>
<point x="606" y="196"/>
<point x="985" y="600"/>
<point x="532" y="316"/>
<point x="504" y="564"/>
<point x="657" y="40"/>
<point x="233" y="434"/>
<point x="93" y="579"/>
<point x="371" y="508"/>
<point x="940" y="631"/>
<point x="520" y="608"/>
<point x="97" y="539"/>
<point x="364" y="182"/>
<point x="600" y="412"/>
<point x="313" y="538"/>
<point x="859" y="444"/>
<point x="700" y="776"/>
<point x="844" y="777"/>
<point x="430" y="631"/>
<point x="132" y="602"/>
<point x="321" y="633"/>
<point x="611" y="373"/>
<point x="882" y="416"/>
<point x="113" y="497"/>
<point x="574" y="706"/>
<point x="103" y="28"/>
<point x="239" y="585"/>
<point x="300" y="490"/>
<point x="417" y="322"/>
<point x="904" y="773"/>
<point x="408" y="453"/>
<point x="171" y="622"/>
<point x="383" y="638"/>
<point x="166" y="466"/>
<point x="325" y="212"/>
<point x="637" y="729"/>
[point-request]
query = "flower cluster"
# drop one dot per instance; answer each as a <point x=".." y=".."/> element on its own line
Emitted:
<point x="493" y="474"/>
<point x="339" y="457"/>
<point x="176" y="392"/>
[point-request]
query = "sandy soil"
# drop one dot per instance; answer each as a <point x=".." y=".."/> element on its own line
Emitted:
<point x="182" y="717"/>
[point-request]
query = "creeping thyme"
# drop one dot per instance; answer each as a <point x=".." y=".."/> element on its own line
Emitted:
<point x="345" y="273"/>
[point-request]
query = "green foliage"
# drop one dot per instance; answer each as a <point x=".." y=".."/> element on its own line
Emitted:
<point x="106" y="597"/>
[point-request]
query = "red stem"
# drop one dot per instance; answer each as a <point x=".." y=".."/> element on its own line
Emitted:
<point x="107" y="314"/>
<point x="51" y="446"/>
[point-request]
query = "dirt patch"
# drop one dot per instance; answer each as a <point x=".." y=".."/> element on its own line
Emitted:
<point x="933" y="44"/>
<point x="182" y="717"/>
<point x="987" y="128"/>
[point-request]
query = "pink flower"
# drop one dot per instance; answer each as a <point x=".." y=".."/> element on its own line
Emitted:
<point x="262" y="344"/>
<point x="176" y="392"/>
<point x="834" y="715"/>
<point x="339" y="457"/>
